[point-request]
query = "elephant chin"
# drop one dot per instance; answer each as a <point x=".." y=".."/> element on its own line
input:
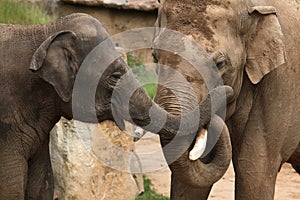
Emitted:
<point x="199" y="174"/>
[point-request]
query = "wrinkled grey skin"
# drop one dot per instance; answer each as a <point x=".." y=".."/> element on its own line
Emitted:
<point x="256" y="46"/>
<point x="39" y="64"/>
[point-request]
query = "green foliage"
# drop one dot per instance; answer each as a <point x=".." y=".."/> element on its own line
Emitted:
<point x="147" y="78"/>
<point x="150" y="89"/>
<point x="14" y="12"/>
<point x="149" y="194"/>
<point x="136" y="64"/>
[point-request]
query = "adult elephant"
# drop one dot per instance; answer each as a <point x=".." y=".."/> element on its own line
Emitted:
<point x="255" y="46"/>
<point x="66" y="68"/>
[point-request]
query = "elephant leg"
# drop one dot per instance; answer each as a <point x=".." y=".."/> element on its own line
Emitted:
<point x="13" y="173"/>
<point x="256" y="165"/>
<point x="182" y="191"/>
<point x="40" y="183"/>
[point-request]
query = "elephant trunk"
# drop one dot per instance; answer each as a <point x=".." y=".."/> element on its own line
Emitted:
<point x="199" y="173"/>
<point x="151" y="117"/>
<point x="135" y="106"/>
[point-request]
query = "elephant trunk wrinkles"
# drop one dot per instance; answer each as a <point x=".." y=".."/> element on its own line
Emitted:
<point x="178" y="92"/>
<point x="147" y="114"/>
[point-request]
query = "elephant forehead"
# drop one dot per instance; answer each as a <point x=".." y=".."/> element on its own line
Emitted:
<point x="188" y="16"/>
<point x="183" y="53"/>
<point x="197" y="18"/>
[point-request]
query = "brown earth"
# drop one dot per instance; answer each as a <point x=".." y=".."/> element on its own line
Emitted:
<point x="287" y="185"/>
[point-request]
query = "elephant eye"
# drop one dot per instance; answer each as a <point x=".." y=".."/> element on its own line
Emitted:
<point x="220" y="64"/>
<point x="220" y="59"/>
<point x="116" y="75"/>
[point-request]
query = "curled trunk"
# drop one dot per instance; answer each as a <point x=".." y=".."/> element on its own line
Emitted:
<point x="198" y="173"/>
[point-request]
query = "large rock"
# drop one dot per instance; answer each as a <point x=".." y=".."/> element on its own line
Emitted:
<point x="146" y="5"/>
<point x="82" y="156"/>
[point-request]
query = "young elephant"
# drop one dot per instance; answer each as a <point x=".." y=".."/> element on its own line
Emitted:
<point x="39" y="84"/>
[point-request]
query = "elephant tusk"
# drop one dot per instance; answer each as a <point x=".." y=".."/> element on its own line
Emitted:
<point x="199" y="146"/>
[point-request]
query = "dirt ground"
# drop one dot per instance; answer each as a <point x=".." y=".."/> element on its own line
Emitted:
<point x="287" y="185"/>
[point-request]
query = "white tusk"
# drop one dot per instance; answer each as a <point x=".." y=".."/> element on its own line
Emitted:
<point x="199" y="146"/>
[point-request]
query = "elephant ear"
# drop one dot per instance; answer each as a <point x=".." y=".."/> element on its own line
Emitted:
<point x="53" y="61"/>
<point x="265" y="48"/>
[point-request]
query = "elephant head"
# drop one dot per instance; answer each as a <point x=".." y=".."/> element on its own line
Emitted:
<point x="92" y="81"/>
<point x="243" y="39"/>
